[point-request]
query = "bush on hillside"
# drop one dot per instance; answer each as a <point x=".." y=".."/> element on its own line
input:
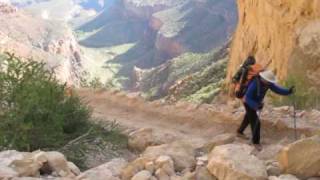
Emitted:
<point x="35" y="111"/>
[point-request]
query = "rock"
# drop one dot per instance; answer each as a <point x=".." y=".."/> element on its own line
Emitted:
<point x="270" y="151"/>
<point x="314" y="178"/>
<point x="30" y="164"/>
<point x="283" y="177"/>
<point x="97" y="174"/>
<point x="203" y="158"/>
<point x="150" y="166"/>
<point x="162" y="175"/>
<point x="273" y="170"/>
<point x="301" y="158"/>
<point x="142" y="175"/>
<point x="217" y="141"/>
<point x="166" y="164"/>
<point x="203" y="174"/>
<point x="182" y="153"/>
<point x="7" y="157"/>
<point x="110" y="171"/>
<point x="134" y="167"/>
<point x="141" y="139"/>
<point x="189" y="175"/>
<point x="74" y="169"/>
<point x="314" y="115"/>
<point x="57" y="163"/>
<point x="282" y="109"/>
<point x="7" y="172"/>
<point x="14" y="163"/>
<point x="233" y="161"/>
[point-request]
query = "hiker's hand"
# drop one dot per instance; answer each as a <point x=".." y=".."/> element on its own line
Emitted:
<point x="260" y="106"/>
<point x="292" y="90"/>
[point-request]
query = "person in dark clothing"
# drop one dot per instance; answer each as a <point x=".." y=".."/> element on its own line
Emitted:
<point x="253" y="102"/>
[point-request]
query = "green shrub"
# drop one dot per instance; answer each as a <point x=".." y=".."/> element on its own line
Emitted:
<point x="35" y="111"/>
<point x="103" y="140"/>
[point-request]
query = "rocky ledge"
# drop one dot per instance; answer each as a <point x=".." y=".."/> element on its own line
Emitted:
<point x="224" y="158"/>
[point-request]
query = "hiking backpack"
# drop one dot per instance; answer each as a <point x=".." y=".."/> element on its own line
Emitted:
<point x="246" y="73"/>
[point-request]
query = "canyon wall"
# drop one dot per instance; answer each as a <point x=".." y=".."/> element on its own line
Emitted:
<point x="170" y="27"/>
<point x="34" y="38"/>
<point x="283" y="32"/>
<point x="160" y="31"/>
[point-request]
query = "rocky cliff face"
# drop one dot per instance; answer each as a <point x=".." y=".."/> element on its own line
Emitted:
<point x="284" y="32"/>
<point x="48" y="41"/>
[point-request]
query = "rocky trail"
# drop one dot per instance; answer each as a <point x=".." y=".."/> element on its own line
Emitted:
<point x="183" y="142"/>
<point x="194" y="123"/>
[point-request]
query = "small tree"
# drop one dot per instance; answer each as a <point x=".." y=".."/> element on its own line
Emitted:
<point x="35" y="111"/>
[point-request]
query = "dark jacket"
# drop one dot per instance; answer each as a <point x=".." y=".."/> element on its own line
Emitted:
<point x="257" y="91"/>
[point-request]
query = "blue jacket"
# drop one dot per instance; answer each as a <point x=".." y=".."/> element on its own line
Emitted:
<point x="255" y="95"/>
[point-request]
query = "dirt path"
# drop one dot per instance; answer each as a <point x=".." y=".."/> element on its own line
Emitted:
<point x="181" y="121"/>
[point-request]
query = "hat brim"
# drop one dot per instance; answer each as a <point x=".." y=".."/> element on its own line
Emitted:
<point x="267" y="79"/>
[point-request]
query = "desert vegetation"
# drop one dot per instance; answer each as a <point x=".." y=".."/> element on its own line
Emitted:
<point x="38" y="112"/>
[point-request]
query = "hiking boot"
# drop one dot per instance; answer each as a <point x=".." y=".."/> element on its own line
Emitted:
<point x="242" y="136"/>
<point x="258" y="147"/>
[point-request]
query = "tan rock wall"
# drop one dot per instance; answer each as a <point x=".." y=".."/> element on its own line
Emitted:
<point x="283" y="32"/>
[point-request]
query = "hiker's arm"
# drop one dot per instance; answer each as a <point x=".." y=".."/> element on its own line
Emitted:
<point x="280" y="90"/>
<point x="249" y="97"/>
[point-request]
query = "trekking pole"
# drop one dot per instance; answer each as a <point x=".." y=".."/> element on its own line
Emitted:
<point x="259" y="114"/>
<point x="295" y="118"/>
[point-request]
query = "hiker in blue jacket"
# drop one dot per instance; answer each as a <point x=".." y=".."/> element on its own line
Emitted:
<point x="253" y="102"/>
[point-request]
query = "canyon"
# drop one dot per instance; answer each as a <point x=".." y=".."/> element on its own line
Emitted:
<point x="158" y="32"/>
<point x="162" y="70"/>
<point x="34" y="38"/>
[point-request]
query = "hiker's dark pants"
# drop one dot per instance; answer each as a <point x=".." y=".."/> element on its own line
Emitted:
<point x="251" y="118"/>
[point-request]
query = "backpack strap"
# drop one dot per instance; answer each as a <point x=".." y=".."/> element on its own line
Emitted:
<point x="244" y="75"/>
<point x="258" y="86"/>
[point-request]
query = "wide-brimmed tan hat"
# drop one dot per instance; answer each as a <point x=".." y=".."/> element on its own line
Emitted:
<point x="268" y="76"/>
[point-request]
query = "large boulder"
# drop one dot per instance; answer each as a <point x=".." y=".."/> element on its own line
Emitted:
<point x="232" y="161"/>
<point x="270" y="151"/>
<point x="57" y="163"/>
<point x="110" y="171"/>
<point x="50" y="163"/>
<point x="301" y="158"/>
<point x="141" y="139"/>
<point x="182" y="153"/>
<point x="7" y="172"/>
<point x="30" y="164"/>
<point x="74" y="169"/>
<point x="218" y="141"/>
<point x="6" y="158"/>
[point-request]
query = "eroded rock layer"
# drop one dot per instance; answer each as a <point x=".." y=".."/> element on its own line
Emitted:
<point x="285" y="33"/>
